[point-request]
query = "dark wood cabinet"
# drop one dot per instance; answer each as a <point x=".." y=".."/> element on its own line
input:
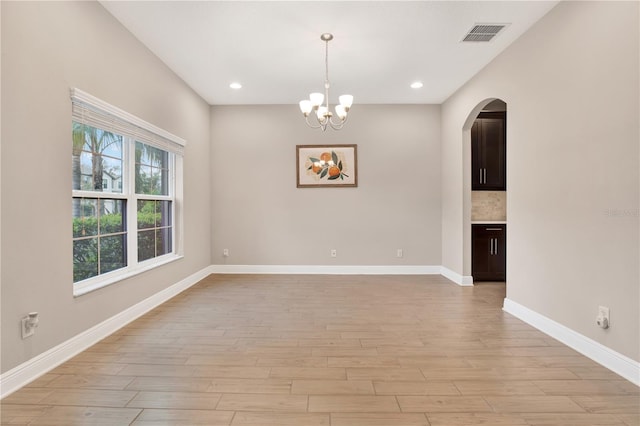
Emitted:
<point x="488" y="152"/>
<point x="489" y="252"/>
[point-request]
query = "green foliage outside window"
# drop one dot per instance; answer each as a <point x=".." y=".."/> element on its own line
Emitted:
<point x="106" y="251"/>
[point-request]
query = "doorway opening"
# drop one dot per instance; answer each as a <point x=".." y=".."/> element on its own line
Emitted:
<point x="485" y="192"/>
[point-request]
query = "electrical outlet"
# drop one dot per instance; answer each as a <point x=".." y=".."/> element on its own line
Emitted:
<point x="225" y="252"/>
<point x="334" y="253"/>
<point x="603" y="317"/>
<point x="399" y="253"/>
<point x="29" y="324"/>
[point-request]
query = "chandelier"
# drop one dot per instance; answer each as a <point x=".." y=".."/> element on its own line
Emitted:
<point x="323" y="116"/>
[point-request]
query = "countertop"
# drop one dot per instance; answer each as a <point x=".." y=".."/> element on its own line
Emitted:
<point x="488" y="222"/>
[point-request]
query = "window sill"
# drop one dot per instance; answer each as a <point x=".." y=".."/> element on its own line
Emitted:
<point x="105" y="280"/>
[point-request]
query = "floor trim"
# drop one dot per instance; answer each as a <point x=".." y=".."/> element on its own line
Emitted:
<point x="462" y="280"/>
<point x="328" y="269"/>
<point x="30" y="370"/>
<point x="614" y="361"/>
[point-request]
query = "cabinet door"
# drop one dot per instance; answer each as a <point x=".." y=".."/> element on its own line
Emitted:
<point x="488" y="152"/>
<point x="477" y="163"/>
<point x="493" y="153"/>
<point x="498" y="258"/>
<point x="488" y="252"/>
<point x="480" y="253"/>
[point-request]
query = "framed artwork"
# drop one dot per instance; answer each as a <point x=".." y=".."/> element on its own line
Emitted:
<point x="320" y="166"/>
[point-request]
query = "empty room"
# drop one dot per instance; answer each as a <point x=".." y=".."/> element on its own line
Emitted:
<point x="337" y="213"/>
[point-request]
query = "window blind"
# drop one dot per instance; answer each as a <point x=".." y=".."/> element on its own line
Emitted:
<point x="87" y="109"/>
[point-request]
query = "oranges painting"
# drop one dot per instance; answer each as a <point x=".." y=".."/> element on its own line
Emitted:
<point x="328" y="165"/>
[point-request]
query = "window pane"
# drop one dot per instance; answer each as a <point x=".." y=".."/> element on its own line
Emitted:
<point x="163" y="241"/>
<point x="76" y="170"/>
<point x="152" y="170"/>
<point x="113" y="148"/>
<point x="146" y="214"/>
<point x="102" y="252"/>
<point x="112" y="174"/>
<point x="111" y="219"/>
<point x="151" y="156"/>
<point x="156" y="181"/>
<point x="154" y="222"/>
<point x="153" y="213"/>
<point x="85" y="259"/>
<point x="144" y="179"/>
<point x="85" y="176"/>
<point x="113" y="253"/>
<point x="85" y="217"/>
<point x="163" y="218"/>
<point x="146" y="245"/>
<point x="97" y="157"/>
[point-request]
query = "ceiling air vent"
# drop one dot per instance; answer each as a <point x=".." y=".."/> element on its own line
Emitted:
<point x="483" y="32"/>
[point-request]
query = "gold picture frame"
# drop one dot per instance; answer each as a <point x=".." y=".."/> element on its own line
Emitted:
<point x="325" y="166"/>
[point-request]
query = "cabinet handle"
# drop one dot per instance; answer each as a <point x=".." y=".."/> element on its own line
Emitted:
<point x="485" y="175"/>
<point x="493" y="229"/>
<point x="491" y="246"/>
<point x="480" y="177"/>
<point x="496" y="247"/>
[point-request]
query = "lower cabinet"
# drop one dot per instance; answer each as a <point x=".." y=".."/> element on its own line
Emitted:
<point x="489" y="252"/>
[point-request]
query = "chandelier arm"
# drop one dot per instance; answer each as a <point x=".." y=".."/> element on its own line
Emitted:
<point x="310" y="124"/>
<point x="336" y="126"/>
<point x="339" y="123"/>
<point x="321" y="124"/>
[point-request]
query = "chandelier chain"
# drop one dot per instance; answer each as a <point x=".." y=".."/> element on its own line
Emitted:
<point x="326" y="62"/>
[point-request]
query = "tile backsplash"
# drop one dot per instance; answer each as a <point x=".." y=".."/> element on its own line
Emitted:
<point x="488" y="205"/>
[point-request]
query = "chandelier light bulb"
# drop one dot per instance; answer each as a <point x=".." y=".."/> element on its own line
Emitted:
<point x="323" y="116"/>
<point x="306" y="107"/>
<point x="316" y="99"/>
<point x="346" y="101"/>
<point x="322" y="113"/>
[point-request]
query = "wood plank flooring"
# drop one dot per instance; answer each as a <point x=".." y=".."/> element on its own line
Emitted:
<point x="241" y="350"/>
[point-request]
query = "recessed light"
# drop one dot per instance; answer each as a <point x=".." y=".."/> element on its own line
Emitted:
<point x="416" y="85"/>
<point x="235" y="86"/>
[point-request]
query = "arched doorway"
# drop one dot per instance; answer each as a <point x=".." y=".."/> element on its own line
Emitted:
<point x="484" y="198"/>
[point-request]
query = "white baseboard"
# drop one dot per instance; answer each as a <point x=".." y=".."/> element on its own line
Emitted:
<point x="26" y="372"/>
<point x="614" y="361"/>
<point x="327" y="269"/>
<point x="462" y="280"/>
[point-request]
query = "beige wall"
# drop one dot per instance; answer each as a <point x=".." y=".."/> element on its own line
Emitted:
<point x="572" y="168"/>
<point x="263" y="219"/>
<point x="48" y="48"/>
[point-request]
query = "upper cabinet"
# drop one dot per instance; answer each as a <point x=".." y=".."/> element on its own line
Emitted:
<point x="488" y="152"/>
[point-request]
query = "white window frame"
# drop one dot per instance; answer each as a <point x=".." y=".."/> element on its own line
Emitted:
<point x="94" y="112"/>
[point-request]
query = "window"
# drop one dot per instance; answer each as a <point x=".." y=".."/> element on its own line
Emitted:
<point x="154" y="203"/>
<point x="126" y="189"/>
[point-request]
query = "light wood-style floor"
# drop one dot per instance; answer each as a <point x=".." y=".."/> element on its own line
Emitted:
<point x="328" y="350"/>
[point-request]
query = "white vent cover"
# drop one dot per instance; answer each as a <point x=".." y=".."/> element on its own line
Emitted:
<point x="483" y="32"/>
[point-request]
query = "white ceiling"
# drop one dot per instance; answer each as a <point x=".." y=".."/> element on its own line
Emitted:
<point x="273" y="48"/>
